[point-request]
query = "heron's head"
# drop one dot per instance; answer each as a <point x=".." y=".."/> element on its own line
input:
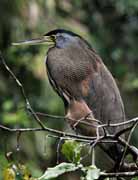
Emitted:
<point x="58" y="37"/>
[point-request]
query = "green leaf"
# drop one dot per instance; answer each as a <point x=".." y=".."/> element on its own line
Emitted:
<point x="135" y="178"/>
<point x="92" y="173"/>
<point x="72" y="151"/>
<point x="58" y="170"/>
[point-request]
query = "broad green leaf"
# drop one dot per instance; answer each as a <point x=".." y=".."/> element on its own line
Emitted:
<point x="92" y="173"/>
<point x="72" y="150"/>
<point x="58" y="170"/>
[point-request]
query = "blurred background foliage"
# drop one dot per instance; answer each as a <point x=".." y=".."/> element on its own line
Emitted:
<point x="112" y="29"/>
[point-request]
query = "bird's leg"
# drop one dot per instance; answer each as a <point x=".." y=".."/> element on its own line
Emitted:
<point x="77" y="116"/>
<point x="81" y="119"/>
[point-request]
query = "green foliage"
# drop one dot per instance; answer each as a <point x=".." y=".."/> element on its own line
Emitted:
<point x="92" y="173"/>
<point x="135" y="178"/>
<point x="72" y="151"/>
<point x="58" y="170"/>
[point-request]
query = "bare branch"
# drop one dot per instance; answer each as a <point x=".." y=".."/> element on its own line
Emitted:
<point x="128" y="140"/>
<point x="93" y="141"/>
<point x="58" y="148"/>
<point x="119" y="174"/>
<point x="100" y="126"/>
<point x="19" y="84"/>
<point x="59" y="134"/>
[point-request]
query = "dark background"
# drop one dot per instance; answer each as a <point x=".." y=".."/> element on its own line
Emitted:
<point x="110" y="26"/>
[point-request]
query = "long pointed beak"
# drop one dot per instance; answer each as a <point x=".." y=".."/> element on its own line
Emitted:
<point x="43" y="40"/>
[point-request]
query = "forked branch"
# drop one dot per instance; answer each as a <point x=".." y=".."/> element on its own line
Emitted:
<point x="106" y="138"/>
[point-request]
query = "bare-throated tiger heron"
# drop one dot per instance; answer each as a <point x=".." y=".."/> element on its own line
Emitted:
<point x="79" y="76"/>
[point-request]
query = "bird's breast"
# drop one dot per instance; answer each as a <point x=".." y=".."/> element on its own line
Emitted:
<point x="70" y="70"/>
<point x="68" y="64"/>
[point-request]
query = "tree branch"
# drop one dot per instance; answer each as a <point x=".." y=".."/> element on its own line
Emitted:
<point x="20" y="86"/>
<point x="119" y="174"/>
<point x="106" y="138"/>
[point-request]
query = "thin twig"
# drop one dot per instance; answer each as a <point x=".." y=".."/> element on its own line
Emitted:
<point x="50" y="115"/>
<point x="106" y="138"/>
<point x="82" y="120"/>
<point x="123" y="131"/>
<point x="131" y="149"/>
<point x="119" y="174"/>
<point x="58" y="134"/>
<point x="120" y="124"/>
<point x="133" y="120"/>
<point x="19" y="84"/>
<point x="58" y="148"/>
<point x="128" y="140"/>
